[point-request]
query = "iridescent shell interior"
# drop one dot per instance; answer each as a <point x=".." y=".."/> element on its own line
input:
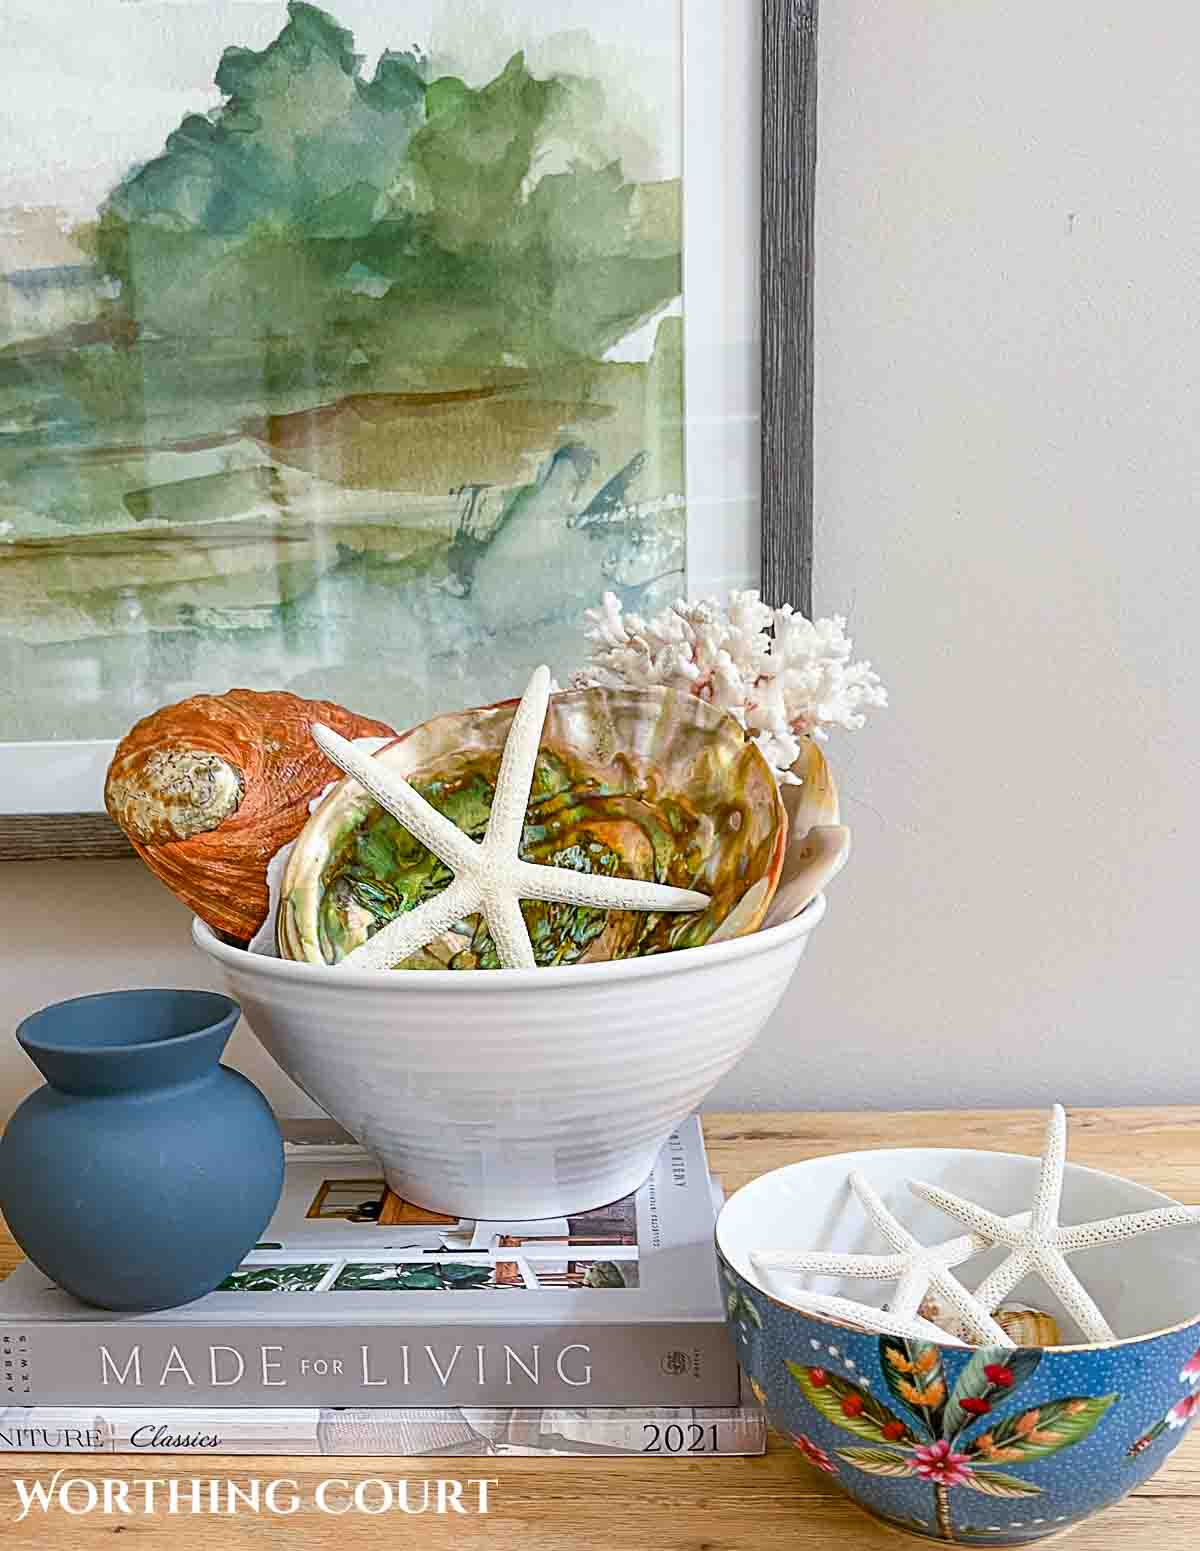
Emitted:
<point x="646" y="784"/>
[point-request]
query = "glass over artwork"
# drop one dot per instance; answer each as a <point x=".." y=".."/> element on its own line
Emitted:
<point x="341" y="348"/>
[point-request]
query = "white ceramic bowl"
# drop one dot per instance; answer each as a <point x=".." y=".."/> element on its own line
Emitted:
<point x="511" y="1093"/>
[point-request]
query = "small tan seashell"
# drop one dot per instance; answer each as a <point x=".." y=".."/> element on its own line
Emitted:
<point x="818" y="845"/>
<point x="811" y="799"/>
<point x="809" y="864"/>
<point x="1028" y="1327"/>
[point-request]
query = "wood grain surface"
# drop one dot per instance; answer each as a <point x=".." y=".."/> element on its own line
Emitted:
<point x="61" y="837"/>
<point x="777" y="1502"/>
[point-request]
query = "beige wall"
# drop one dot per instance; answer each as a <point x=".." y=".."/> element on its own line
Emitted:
<point x="78" y="927"/>
<point x="1008" y="442"/>
<point x="1008" y="482"/>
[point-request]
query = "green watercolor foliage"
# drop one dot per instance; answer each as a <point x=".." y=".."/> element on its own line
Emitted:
<point x="319" y="214"/>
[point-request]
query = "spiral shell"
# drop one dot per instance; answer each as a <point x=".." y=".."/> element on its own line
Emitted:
<point x="208" y="790"/>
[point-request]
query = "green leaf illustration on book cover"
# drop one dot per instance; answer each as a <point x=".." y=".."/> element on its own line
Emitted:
<point x="288" y="1279"/>
<point x="437" y="1276"/>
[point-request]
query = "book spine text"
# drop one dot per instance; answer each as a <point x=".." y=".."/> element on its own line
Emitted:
<point x="109" y="1364"/>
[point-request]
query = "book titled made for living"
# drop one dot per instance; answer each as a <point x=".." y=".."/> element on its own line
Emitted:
<point x="356" y="1298"/>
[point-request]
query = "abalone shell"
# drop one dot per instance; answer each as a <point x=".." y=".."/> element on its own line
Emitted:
<point x="646" y="784"/>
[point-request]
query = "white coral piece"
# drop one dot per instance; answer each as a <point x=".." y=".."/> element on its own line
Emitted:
<point x="784" y="677"/>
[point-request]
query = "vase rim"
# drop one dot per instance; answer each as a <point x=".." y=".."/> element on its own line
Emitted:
<point x="221" y="1009"/>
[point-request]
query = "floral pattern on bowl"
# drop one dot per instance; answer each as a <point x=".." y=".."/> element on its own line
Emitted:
<point x="985" y="1447"/>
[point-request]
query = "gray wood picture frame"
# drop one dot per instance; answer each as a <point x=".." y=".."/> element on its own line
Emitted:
<point x="789" y="168"/>
<point x="789" y="157"/>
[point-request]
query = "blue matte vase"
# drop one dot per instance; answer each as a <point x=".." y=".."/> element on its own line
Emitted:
<point x="144" y="1171"/>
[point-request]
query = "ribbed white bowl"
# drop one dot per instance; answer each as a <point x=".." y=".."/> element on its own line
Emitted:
<point x="513" y="1093"/>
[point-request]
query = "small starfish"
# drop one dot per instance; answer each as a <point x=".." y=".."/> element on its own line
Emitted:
<point x="489" y="877"/>
<point x="917" y="1268"/>
<point x="1040" y="1244"/>
<point x="880" y="1322"/>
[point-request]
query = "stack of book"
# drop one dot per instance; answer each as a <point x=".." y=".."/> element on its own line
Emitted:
<point x="365" y="1325"/>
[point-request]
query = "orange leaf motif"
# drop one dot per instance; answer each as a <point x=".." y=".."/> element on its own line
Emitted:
<point x="1047" y="1429"/>
<point x="990" y="1450"/>
<point x="930" y="1396"/>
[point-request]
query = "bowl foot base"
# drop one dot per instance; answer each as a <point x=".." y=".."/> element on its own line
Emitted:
<point x="916" y="1537"/>
<point x="520" y="1203"/>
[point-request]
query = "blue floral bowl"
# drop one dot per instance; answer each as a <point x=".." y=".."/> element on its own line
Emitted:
<point x="980" y="1447"/>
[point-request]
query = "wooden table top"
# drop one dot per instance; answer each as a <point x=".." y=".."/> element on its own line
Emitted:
<point x="594" y="1504"/>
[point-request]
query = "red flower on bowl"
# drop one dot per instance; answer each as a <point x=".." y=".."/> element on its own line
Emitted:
<point x="814" y="1454"/>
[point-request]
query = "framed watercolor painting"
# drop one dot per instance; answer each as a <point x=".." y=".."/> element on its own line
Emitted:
<point x="356" y="349"/>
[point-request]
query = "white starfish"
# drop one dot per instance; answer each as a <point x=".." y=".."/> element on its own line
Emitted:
<point x="917" y="1268"/>
<point x="865" y="1316"/>
<point x="1040" y="1244"/>
<point x="490" y="876"/>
